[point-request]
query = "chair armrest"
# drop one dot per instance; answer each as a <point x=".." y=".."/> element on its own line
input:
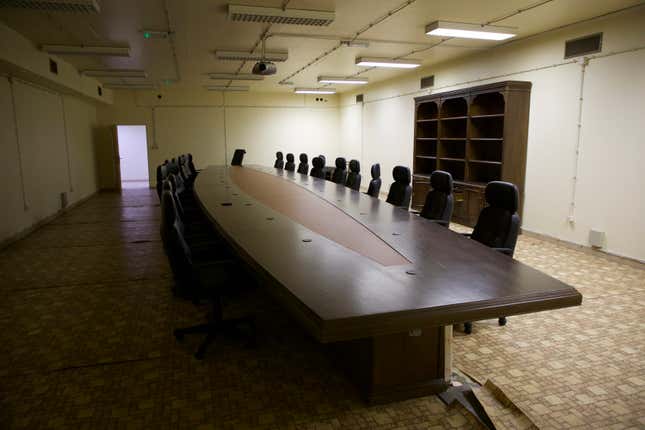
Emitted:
<point x="507" y="251"/>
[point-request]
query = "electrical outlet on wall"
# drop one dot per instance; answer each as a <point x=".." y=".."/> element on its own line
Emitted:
<point x="322" y="99"/>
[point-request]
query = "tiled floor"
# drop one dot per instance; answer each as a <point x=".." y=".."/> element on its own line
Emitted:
<point x="86" y="317"/>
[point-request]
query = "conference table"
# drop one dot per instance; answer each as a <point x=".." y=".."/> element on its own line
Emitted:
<point x="382" y="286"/>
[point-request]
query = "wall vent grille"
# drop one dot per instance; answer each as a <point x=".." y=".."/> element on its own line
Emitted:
<point x="74" y="6"/>
<point x="583" y="45"/>
<point x="276" y="15"/>
<point x="359" y="98"/>
<point x="427" y="82"/>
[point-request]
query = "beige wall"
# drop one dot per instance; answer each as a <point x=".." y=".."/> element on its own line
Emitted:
<point x="609" y="191"/>
<point x="211" y="125"/>
<point x="47" y="141"/>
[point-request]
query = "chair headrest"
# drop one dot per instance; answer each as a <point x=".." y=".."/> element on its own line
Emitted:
<point x="324" y="160"/>
<point x="503" y="195"/>
<point x="401" y="174"/>
<point x="290" y="158"/>
<point x="341" y="163"/>
<point x="167" y="185"/>
<point x="354" y="166"/>
<point x="441" y="181"/>
<point x="376" y="171"/>
<point x="318" y="162"/>
<point x="303" y="158"/>
<point x="279" y="155"/>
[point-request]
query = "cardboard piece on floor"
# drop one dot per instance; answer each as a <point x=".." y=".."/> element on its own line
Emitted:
<point x="503" y="413"/>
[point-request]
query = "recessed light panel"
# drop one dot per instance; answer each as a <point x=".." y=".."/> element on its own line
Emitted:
<point x="467" y="31"/>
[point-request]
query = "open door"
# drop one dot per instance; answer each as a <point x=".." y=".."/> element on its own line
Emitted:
<point x="131" y="156"/>
<point x="116" y="157"/>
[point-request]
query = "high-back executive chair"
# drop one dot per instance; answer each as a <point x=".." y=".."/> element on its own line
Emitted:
<point x="400" y="190"/>
<point x="340" y="172"/>
<point x="354" y="175"/>
<point x="498" y="224"/>
<point x="290" y="165"/>
<point x="303" y="167"/>
<point x="318" y="169"/>
<point x="374" y="187"/>
<point x="439" y="201"/>
<point x="279" y="160"/>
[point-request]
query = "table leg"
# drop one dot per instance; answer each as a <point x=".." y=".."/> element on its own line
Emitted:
<point x="398" y="366"/>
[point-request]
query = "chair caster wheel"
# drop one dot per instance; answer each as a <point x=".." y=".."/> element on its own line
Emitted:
<point x="178" y="335"/>
<point x="468" y="327"/>
<point x="502" y="321"/>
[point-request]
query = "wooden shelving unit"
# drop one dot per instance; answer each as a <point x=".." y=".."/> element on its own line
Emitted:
<point x="477" y="134"/>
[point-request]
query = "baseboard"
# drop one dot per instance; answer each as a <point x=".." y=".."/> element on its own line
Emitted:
<point x="635" y="262"/>
<point x="4" y="243"/>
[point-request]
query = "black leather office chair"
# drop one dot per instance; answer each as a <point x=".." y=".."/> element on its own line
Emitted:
<point x="498" y="224"/>
<point x="439" y="201"/>
<point x="374" y="187"/>
<point x="290" y="165"/>
<point x="317" y="171"/>
<point x="354" y="175"/>
<point x="340" y="172"/>
<point x="191" y="165"/>
<point x="205" y="280"/>
<point x="303" y="167"/>
<point x="400" y="190"/>
<point x="279" y="160"/>
<point x="238" y="157"/>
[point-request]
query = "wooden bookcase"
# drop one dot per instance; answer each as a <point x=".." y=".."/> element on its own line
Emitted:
<point x="477" y="134"/>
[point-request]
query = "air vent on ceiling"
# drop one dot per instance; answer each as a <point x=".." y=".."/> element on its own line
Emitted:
<point x="359" y="98"/>
<point x="427" y="82"/>
<point x="583" y="45"/>
<point x="77" y="6"/>
<point x="276" y="15"/>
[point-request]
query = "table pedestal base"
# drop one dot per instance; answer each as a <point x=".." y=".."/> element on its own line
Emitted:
<point x="398" y="366"/>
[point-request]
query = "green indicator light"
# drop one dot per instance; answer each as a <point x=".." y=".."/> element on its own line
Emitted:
<point x="146" y="34"/>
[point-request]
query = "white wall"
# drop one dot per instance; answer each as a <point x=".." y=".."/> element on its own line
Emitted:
<point x="133" y="150"/>
<point x="608" y="193"/>
<point x="48" y="150"/>
<point x="211" y="126"/>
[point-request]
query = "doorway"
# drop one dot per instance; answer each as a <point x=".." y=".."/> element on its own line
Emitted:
<point x="133" y="156"/>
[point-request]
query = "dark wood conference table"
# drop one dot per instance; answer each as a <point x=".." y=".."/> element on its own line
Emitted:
<point x="381" y="285"/>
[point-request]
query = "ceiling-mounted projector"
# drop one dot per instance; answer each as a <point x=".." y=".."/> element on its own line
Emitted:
<point x="264" y="68"/>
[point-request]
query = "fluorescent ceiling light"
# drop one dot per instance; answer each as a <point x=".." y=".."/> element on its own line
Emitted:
<point x="274" y="56"/>
<point x="314" y="91"/>
<point x="118" y="51"/>
<point x="232" y="88"/>
<point x="278" y="15"/>
<point x="130" y="86"/>
<point x="115" y="73"/>
<point x="235" y="76"/>
<point x="386" y="62"/>
<point x="467" y="31"/>
<point x="341" y="80"/>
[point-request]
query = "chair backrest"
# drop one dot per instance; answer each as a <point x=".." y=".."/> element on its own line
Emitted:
<point x="400" y="190"/>
<point x="498" y="223"/>
<point x="238" y="157"/>
<point x="291" y="163"/>
<point x="374" y="187"/>
<point x="340" y="172"/>
<point x="191" y="165"/>
<point x="354" y="175"/>
<point x="439" y="201"/>
<point x="303" y="167"/>
<point x="317" y="171"/>
<point x="279" y="160"/>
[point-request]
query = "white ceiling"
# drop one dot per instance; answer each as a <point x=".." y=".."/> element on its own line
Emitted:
<point x="201" y="26"/>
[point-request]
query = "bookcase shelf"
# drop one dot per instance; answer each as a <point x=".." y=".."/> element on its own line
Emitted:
<point x="477" y="134"/>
